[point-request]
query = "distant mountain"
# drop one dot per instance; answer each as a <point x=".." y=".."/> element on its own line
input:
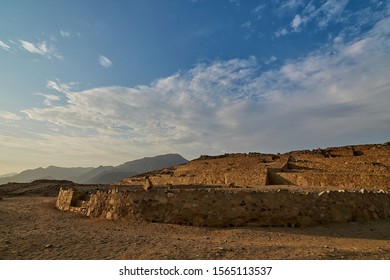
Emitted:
<point x="110" y="177"/>
<point x="51" y="172"/>
<point x="88" y="176"/>
<point x="99" y="175"/>
<point x="136" y="167"/>
<point x="8" y="175"/>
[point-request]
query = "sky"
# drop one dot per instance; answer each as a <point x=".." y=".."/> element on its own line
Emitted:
<point x="89" y="83"/>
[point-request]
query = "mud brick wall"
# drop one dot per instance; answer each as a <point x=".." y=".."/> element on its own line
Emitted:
<point x="342" y="180"/>
<point x="236" y="207"/>
<point x="213" y="172"/>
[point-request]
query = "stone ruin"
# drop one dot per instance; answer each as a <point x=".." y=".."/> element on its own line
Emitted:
<point x="295" y="189"/>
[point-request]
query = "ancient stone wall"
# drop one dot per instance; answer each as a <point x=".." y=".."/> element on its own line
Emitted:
<point x="350" y="167"/>
<point x="231" y="207"/>
<point x="341" y="180"/>
<point x="244" y="170"/>
<point x="64" y="199"/>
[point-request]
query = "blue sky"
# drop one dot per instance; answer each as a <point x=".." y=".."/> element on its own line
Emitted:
<point x="85" y="83"/>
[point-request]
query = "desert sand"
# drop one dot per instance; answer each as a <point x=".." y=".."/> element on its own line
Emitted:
<point x="31" y="228"/>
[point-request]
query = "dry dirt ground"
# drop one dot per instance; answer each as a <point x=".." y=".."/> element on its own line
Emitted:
<point x="31" y="228"/>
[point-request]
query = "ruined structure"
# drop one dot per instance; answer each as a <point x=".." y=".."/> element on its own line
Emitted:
<point x="294" y="189"/>
<point x="351" y="167"/>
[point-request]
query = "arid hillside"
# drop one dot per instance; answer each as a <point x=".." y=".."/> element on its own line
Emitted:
<point x="349" y="167"/>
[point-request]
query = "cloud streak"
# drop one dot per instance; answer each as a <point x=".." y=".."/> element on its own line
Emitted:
<point x="321" y="15"/>
<point x="65" y="34"/>
<point x="9" y="117"/>
<point x="4" y="46"/>
<point x="44" y="49"/>
<point x="104" y="61"/>
<point x="61" y="87"/>
<point x="49" y="99"/>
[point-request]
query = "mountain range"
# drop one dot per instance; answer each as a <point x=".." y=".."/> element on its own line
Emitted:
<point x="98" y="175"/>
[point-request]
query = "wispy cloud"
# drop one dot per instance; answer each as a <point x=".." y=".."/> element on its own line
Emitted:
<point x="104" y="61"/>
<point x="65" y="34"/>
<point x="4" y="46"/>
<point x="296" y="22"/>
<point x="292" y="4"/>
<point x="233" y="106"/>
<point x="281" y="32"/>
<point x="271" y="60"/>
<point x="61" y="87"/>
<point x="257" y="11"/>
<point x="321" y="15"/>
<point x="8" y="116"/>
<point x="49" y="99"/>
<point x="235" y="2"/>
<point x="42" y="48"/>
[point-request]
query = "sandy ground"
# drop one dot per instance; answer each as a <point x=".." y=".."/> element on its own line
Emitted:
<point x="31" y="228"/>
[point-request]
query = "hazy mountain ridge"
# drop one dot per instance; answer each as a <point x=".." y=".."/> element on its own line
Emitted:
<point x="8" y="175"/>
<point x="98" y="175"/>
<point x="51" y="172"/>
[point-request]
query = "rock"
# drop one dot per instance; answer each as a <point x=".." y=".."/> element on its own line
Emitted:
<point x="49" y="246"/>
<point x="148" y="184"/>
<point x="7" y="242"/>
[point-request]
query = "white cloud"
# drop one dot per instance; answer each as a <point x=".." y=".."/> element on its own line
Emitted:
<point x="4" y="46"/>
<point x="296" y="22"/>
<point x="65" y="34"/>
<point x="281" y="32"/>
<point x="246" y="24"/>
<point x="49" y="99"/>
<point x="335" y="96"/>
<point x="258" y="11"/>
<point x="322" y="15"/>
<point x="43" y="48"/>
<point x="231" y="106"/>
<point x="8" y="116"/>
<point x="330" y="11"/>
<point x="61" y="87"/>
<point x="104" y="61"/>
<point x="271" y="60"/>
<point x="292" y="4"/>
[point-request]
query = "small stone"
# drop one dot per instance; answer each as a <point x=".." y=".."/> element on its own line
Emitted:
<point x="7" y="242"/>
<point x="49" y="246"/>
<point x="148" y="184"/>
<point x="170" y="195"/>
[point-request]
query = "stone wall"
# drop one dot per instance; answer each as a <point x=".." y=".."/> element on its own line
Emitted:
<point x="341" y="180"/>
<point x="240" y="170"/>
<point x="231" y="207"/>
<point x="350" y="167"/>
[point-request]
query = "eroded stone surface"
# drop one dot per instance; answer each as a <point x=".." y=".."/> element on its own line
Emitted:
<point x="234" y="207"/>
